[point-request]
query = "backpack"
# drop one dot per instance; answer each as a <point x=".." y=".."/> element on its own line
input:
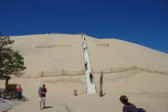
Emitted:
<point x="141" y="110"/>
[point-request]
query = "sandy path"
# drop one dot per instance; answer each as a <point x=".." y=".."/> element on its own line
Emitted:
<point x="90" y="86"/>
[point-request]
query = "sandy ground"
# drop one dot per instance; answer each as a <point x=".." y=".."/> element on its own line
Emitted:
<point x="92" y="103"/>
<point x="52" y="53"/>
<point x="152" y="97"/>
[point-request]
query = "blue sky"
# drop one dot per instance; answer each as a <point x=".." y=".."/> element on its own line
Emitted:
<point x="144" y="22"/>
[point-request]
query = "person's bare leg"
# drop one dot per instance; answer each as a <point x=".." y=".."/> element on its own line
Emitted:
<point x="40" y="105"/>
<point x="43" y="104"/>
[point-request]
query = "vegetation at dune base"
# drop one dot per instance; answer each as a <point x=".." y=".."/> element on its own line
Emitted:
<point x="11" y="61"/>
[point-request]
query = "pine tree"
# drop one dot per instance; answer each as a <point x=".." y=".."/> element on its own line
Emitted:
<point x="11" y="62"/>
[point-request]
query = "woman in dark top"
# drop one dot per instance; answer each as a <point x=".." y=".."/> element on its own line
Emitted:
<point x="128" y="107"/>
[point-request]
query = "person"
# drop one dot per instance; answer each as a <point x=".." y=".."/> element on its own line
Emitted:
<point x="91" y="77"/>
<point x="128" y="107"/>
<point x="39" y="92"/>
<point x="43" y="97"/>
<point x="86" y="65"/>
<point x="19" y="92"/>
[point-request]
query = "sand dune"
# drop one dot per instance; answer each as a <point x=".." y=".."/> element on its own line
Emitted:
<point x="50" y="59"/>
<point x="55" y="52"/>
<point x="134" y="70"/>
<point x="125" y="54"/>
<point x="62" y="55"/>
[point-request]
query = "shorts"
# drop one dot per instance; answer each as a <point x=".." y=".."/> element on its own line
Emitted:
<point x="42" y="99"/>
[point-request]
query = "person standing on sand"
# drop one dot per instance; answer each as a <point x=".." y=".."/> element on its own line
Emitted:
<point x="128" y="107"/>
<point x="19" y="92"/>
<point x="43" y="97"/>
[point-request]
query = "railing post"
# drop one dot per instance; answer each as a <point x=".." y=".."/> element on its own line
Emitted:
<point x="101" y="85"/>
<point x="42" y="74"/>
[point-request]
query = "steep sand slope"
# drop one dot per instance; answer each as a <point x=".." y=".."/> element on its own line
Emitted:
<point x="54" y="53"/>
<point x="57" y="52"/>
<point x="120" y="54"/>
<point x="50" y="53"/>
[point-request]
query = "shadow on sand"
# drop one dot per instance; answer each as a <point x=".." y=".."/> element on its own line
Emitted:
<point x="47" y="107"/>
